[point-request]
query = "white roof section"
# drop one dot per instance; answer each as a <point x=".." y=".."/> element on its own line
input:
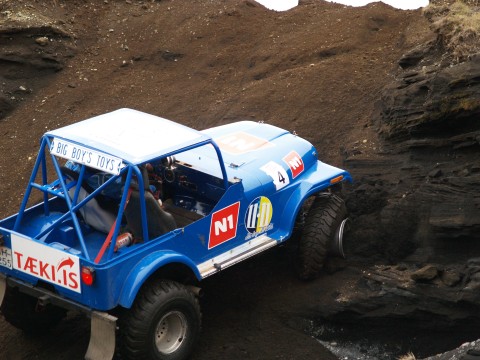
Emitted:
<point x="131" y="135"/>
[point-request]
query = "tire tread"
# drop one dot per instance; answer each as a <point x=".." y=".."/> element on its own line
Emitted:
<point x="325" y="215"/>
<point x="136" y="324"/>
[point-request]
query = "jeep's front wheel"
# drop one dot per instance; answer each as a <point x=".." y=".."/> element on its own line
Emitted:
<point x="163" y="323"/>
<point x="323" y="220"/>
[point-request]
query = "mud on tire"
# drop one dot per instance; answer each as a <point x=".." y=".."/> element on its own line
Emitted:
<point x="163" y="323"/>
<point x="323" y="219"/>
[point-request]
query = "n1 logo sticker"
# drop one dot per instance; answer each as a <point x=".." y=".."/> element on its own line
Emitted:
<point x="223" y="226"/>
<point x="277" y="173"/>
<point x="295" y="163"/>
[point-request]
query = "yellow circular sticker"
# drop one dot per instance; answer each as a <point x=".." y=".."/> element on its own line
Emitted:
<point x="259" y="214"/>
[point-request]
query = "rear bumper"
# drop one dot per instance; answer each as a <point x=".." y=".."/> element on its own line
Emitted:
<point x="44" y="296"/>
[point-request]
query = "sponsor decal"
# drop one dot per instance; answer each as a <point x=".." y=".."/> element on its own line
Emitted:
<point x="223" y="226"/>
<point x="86" y="156"/>
<point x="46" y="263"/>
<point x="295" y="163"/>
<point x="258" y="217"/>
<point x="241" y="142"/>
<point x="277" y="173"/>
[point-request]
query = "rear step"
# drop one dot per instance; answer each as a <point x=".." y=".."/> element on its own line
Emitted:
<point x="235" y="255"/>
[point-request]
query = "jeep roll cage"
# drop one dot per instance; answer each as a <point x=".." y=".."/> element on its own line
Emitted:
<point x="59" y="188"/>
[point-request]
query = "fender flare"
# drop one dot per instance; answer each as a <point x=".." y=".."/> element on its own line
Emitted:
<point x="293" y="206"/>
<point x="145" y="268"/>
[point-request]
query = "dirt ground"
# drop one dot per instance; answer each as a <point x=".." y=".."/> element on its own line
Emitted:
<point x="316" y="70"/>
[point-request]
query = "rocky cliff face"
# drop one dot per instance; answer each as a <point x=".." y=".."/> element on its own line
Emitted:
<point x="422" y="186"/>
<point x="417" y="198"/>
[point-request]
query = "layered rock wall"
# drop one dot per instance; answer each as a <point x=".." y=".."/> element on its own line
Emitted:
<point x="421" y="192"/>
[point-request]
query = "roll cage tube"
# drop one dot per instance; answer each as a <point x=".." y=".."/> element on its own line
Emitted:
<point x="222" y="164"/>
<point x="203" y="143"/>
<point x="41" y="160"/>
<point x="121" y="209"/>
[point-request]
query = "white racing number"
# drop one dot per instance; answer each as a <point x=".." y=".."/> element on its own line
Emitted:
<point x="277" y="173"/>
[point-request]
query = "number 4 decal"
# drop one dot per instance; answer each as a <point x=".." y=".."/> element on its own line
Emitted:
<point x="277" y="173"/>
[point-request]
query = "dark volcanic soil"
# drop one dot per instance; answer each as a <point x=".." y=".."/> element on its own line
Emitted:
<point x="316" y="70"/>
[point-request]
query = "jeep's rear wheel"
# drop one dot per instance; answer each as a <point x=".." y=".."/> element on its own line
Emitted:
<point x="324" y="218"/>
<point x="163" y="323"/>
<point x="25" y="313"/>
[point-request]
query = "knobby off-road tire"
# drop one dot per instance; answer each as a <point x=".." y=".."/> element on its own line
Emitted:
<point x="323" y="219"/>
<point x="24" y="312"/>
<point x="163" y="323"/>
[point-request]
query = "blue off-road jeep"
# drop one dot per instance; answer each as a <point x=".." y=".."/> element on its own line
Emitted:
<point x="125" y="213"/>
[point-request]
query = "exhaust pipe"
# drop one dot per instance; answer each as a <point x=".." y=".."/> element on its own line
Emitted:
<point x="337" y="244"/>
<point x="196" y="290"/>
